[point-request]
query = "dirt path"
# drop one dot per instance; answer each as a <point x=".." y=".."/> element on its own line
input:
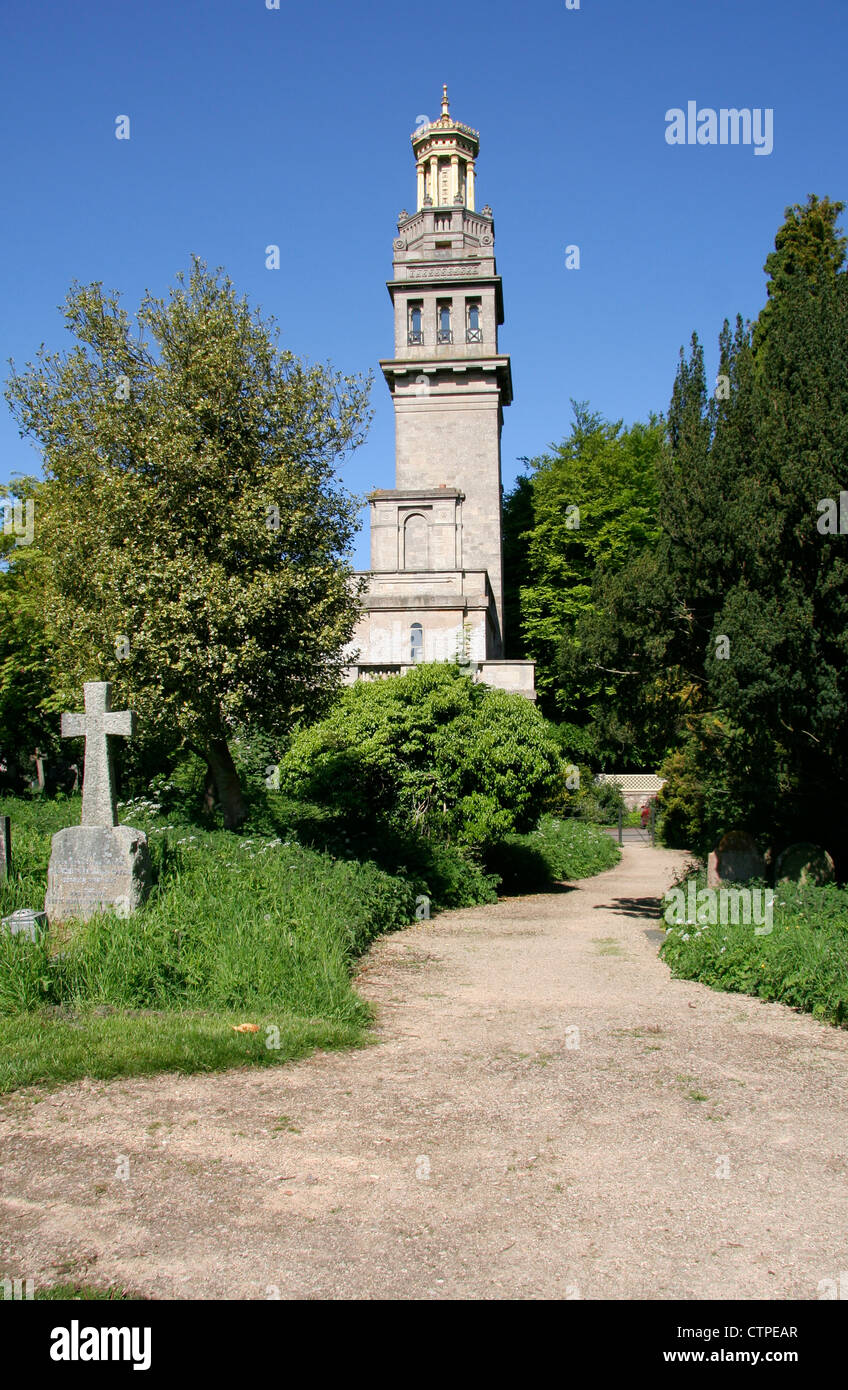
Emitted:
<point x="483" y="1148"/>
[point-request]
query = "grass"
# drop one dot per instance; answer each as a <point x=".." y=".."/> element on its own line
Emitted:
<point x="37" y="1049"/>
<point x="76" y="1293"/>
<point x="802" y="962"/>
<point x="559" y="850"/>
<point x="254" y="928"/>
<point x="262" y="927"/>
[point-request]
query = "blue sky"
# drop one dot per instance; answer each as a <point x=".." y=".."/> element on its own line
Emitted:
<point x="252" y="126"/>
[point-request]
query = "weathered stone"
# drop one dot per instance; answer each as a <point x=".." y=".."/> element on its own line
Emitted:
<point x="96" y="726"/>
<point x="805" y="863"/>
<point x="735" y="859"/>
<point x="40" y="778"/>
<point x="5" y="846"/>
<point x="94" y="868"/>
<point x="97" y="865"/>
<point x="26" y="921"/>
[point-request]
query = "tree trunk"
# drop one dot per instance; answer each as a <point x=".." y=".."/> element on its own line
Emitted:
<point x="227" y="783"/>
<point x="209" y="792"/>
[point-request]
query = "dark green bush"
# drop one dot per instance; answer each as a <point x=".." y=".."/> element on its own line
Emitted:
<point x="430" y="752"/>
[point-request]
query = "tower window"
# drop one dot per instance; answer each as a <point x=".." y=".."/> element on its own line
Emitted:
<point x="414" y="333"/>
<point x="416" y="642"/>
<point x="415" y="542"/>
<point x="473" y="330"/>
<point x="444" y="334"/>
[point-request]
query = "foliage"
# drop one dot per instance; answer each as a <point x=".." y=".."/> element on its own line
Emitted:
<point x="430" y="751"/>
<point x="25" y="679"/>
<point x="555" y="851"/>
<point x="729" y="641"/>
<point x="600" y="802"/>
<point x="590" y="502"/>
<point x="256" y="920"/>
<point x="194" y="531"/>
<point x="802" y="962"/>
<point x="806" y="246"/>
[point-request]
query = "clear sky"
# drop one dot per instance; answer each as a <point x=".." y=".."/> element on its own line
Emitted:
<point x="252" y="126"/>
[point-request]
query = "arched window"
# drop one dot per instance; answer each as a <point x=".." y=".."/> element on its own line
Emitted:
<point x="415" y="333"/>
<point x="415" y="542"/>
<point x="416" y="642"/>
<point x="473" y="332"/>
<point x="444" y="334"/>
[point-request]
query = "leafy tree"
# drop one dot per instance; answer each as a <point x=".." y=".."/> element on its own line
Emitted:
<point x="194" y="531"/>
<point x="26" y="691"/>
<point x="743" y="609"/>
<point x="590" y="503"/>
<point x="517" y="527"/>
<point x="430" y="751"/>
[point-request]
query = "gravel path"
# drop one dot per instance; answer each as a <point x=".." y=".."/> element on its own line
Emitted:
<point x="545" y="1113"/>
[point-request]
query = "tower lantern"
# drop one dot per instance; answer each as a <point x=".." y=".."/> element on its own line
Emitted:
<point x="445" y="151"/>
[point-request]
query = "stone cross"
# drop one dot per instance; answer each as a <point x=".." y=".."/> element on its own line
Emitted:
<point x="99" y="723"/>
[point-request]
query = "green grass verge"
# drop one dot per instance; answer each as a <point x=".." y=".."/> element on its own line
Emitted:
<point x="37" y="1049"/>
<point x="802" y="962"/>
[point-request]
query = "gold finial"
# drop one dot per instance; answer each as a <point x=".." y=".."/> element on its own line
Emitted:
<point x="445" y="106"/>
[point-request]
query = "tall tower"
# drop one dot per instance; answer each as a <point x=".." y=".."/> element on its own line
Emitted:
<point x="435" y="588"/>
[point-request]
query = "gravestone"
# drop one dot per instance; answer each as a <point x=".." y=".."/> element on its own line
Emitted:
<point x="25" y="922"/>
<point x="98" y="864"/>
<point x="40" y="777"/>
<point x="735" y="859"/>
<point x="805" y="863"/>
<point x="5" y="846"/>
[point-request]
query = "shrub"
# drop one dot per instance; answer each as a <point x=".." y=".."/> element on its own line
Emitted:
<point x="430" y="751"/>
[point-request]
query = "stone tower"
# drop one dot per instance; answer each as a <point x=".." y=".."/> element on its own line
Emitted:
<point x="435" y="587"/>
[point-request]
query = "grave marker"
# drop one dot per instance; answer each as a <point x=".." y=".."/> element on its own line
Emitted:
<point x="97" y="864"/>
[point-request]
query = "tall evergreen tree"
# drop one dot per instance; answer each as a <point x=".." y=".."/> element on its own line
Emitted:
<point x="807" y="247"/>
<point x="742" y="622"/>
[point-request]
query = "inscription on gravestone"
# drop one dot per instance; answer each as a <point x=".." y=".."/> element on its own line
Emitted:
<point x="98" y="864"/>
